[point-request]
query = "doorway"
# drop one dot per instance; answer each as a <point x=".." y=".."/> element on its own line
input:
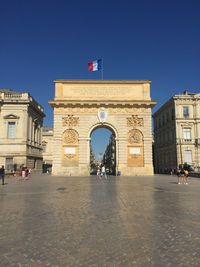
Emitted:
<point x="103" y="150"/>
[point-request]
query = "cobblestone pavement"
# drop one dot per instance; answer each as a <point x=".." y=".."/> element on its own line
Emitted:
<point x="84" y="221"/>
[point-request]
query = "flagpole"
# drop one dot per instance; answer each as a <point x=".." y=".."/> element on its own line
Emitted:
<point x="102" y="69"/>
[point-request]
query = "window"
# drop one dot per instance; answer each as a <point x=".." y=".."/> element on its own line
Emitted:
<point x="172" y="114"/>
<point x="158" y="139"/>
<point x="11" y="129"/>
<point x="186" y="112"/>
<point x="167" y="116"/>
<point x="187" y="134"/>
<point x="188" y="156"/>
<point x="44" y="146"/>
<point x="9" y="164"/>
<point x="163" y="119"/>
<point x="155" y="124"/>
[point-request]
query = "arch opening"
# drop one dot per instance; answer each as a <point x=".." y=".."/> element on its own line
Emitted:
<point x="103" y="149"/>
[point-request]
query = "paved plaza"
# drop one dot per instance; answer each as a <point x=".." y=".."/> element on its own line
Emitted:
<point x="84" y="221"/>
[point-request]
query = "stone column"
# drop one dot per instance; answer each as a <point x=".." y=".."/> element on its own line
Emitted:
<point x="30" y="129"/>
<point x="33" y="132"/>
<point x="57" y="145"/>
<point x="121" y="154"/>
<point x="84" y="155"/>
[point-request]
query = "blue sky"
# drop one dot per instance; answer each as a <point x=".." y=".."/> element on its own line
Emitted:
<point x="42" y="41"/>
<point x="99" y="141"/>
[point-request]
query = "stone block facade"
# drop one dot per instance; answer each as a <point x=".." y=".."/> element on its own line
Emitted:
<point x="80" y="107"/>
<point x="21" y="121"/>
<point x="177" y="133"/>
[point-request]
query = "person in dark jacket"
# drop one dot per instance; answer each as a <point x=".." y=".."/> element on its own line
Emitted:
<point x="2" y="174"/>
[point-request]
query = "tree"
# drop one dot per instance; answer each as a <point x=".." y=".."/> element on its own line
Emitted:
<point x="92" y="160"/>
<point x="109" y="155"/>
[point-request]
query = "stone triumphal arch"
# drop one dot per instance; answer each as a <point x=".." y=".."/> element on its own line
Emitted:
<point x="82" y="106"/>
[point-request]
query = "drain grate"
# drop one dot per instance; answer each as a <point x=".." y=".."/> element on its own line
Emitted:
<point x="61" y="189"/>
<point x="160" y="189"/>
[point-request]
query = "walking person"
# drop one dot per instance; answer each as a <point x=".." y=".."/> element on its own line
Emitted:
<point x="26" y="173"/>
<point x="23" y="173"/>
<point x="2" y="174"/>
<point x="99" y="172"/>
<point x="178" y="173"/>
<point x="181" y="176"/>
<point x="186" y="174"/>
<point x="103" y="171"/>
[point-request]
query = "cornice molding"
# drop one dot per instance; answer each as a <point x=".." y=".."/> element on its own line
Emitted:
<point x="65" y="103"/>
<point x="103" y="81"/>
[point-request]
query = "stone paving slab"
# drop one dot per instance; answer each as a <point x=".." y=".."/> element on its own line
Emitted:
<point x="84" y="221"/>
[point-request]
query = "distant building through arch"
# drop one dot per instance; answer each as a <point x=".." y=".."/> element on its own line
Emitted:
<point x="81" y="106"/>
<point x="108" y="155"/>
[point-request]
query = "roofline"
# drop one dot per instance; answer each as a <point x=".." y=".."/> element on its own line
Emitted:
<point x="103" y="81"/>
<point x="164" y="106"/>
<point x="172" y="99"/>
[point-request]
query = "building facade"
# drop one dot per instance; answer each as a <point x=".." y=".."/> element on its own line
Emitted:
<point x="124" y="107"/>
<point x="21" y="121"/>
<point x="177" y="133"/>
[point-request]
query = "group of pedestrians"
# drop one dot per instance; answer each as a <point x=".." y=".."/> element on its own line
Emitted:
<point x="101" y="171"/>
<point x="182" y="176"/>
<point x="23" y="174"/>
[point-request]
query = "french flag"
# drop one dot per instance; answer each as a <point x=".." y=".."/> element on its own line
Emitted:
<point x="95" y="65"/>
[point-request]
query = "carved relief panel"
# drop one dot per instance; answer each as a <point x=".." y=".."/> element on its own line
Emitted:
<point x="70" y="136"/>
<point x="70" y="121"/>
<point x="135" y="148"/>
<point x="70" y="148"/>
<point x="135" y="121"/>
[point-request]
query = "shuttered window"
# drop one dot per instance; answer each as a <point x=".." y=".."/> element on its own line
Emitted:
<point x="11" y="129"/>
